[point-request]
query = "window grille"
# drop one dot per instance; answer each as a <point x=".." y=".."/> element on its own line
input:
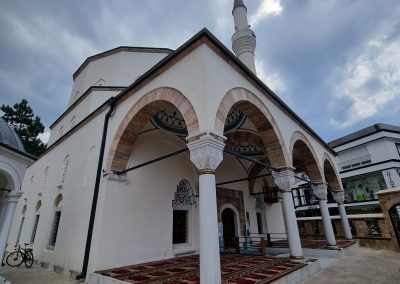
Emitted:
<point x="35" y="225"/>
<point x="54" y="229"/>
<point x="20" y="228"/>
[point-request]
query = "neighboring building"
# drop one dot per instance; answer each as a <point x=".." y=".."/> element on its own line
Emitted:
<point x="89" y="208"/>
<point x="368" y="161"/>
<point x="13" y="163"/>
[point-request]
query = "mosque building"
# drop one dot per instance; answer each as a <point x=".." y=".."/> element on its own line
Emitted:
<point x="163" y="153"/>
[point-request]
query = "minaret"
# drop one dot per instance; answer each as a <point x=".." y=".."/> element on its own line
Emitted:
<point x="244" y="39"/>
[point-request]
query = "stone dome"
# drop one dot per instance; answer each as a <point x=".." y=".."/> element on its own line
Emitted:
<point x="9" y="137"/>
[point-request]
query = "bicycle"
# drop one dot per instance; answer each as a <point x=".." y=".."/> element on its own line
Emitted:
<point x="20" y="255"/>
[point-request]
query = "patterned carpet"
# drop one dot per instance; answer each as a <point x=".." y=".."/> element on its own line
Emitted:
<point x="235" y="269"/>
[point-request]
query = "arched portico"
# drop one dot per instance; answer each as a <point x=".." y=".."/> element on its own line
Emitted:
<point x="303" y="157"/>
<point x="305" y="161"/>
<point x="140" y="113"/>
<point x="330" y="174"/>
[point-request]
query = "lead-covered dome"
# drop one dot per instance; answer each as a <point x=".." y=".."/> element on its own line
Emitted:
<point x="9" y="137"/>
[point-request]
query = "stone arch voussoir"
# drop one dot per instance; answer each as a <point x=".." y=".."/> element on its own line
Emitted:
<point x="332" y="177"/>
<point x="310" y="158"/>
<point x="139" y="114"/>
<point x="270" y="132"/>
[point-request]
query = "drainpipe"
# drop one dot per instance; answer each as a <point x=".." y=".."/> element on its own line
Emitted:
<point x="82" y="275"/>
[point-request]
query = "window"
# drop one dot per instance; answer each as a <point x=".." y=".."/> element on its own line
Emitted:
<point x="180" y="226"/>
<point x="20" y="228"/>
<point x="56" y="222"/>
<point x="46" y="173"/>
<point x="259" y="223"/>
<point x="398" y="148"/>
<point x="373" y="227"/>
<point x="35" y="225"/>
<point x="54" y="229"/>
<point x="363" y="188"/>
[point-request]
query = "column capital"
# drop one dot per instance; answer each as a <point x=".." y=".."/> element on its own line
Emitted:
<point x="338" y="196"/>
<point x="320" y="190"/>
<point x="206" y="152"/>
<point x="14" y="195"/>
<point x="284" y="178"/>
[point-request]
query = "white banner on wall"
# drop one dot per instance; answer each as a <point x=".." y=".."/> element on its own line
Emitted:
<point x="392" y="178"/>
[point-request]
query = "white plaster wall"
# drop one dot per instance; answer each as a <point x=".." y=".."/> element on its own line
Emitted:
<point x="119" y="69"/>
<point x="77" y="198"/>
<point x="136" y="218"/>
<point x="367" y="139"/>
<point x="89" y="104"/>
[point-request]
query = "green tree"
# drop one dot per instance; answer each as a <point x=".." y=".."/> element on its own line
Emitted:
<point x="28" y="127"/>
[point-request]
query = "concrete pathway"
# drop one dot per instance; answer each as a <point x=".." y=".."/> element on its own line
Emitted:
<point x="34" y="275"/>
<point x="362" y="266"/>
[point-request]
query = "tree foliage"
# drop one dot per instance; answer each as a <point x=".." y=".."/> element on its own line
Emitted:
<point x="26" y="125"/>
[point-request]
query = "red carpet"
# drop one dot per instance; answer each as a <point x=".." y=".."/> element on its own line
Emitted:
<point x="238" y="269"/>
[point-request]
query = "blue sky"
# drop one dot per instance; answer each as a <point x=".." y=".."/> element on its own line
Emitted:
<point x="335" y="63"/>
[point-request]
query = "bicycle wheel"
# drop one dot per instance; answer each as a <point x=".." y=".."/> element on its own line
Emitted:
<point x="14" y="259"/>
<point x="29" y="259"/>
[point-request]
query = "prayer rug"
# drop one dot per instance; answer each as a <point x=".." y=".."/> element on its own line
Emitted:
<point x="235" y="269"/>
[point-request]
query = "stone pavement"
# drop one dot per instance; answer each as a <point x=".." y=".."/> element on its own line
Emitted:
<point x="362" y="266"/>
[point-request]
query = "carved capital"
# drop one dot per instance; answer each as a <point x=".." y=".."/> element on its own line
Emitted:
<point x="14" y="195"/>
<point x="338" y="196"/>
<point x="206" y="153"/>
<point x="284" y="179"/>
<point x="320" y="190"/>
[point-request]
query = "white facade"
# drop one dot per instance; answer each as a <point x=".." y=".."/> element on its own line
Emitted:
<point x="369" y="161"/>
<point x="200" y="89"/>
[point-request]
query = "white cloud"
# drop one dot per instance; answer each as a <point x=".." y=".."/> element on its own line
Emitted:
<point x="371" y="82"/>
<point x="271" y="79"/>
<point x="44" y="136"/>
<point x="266" y="8"/>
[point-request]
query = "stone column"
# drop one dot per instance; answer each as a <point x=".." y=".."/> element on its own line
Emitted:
<point x="339" y="198"/>
<point x="206" y="153"/>
<point x="10" y="205"/>
<point x="285" y="180"/>
<point x="321" y="192"/>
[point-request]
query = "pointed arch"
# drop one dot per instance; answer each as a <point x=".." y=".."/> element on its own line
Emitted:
<point x="301" y="149"/>
<point x="58" y="200"/>
<point x="139" y="114"/>
<point x="330" y="173"/>
<point x="38" y="205"/>
<point x="260" y="116"/>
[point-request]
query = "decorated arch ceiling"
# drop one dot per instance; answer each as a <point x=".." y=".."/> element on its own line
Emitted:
<point x="171" y="119"/>
<point x="241" y="134"/>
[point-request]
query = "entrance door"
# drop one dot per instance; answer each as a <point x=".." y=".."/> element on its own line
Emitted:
<point x="228" y="221"/>
<point x="179" y="232"/>
<point x="394" y="213"/>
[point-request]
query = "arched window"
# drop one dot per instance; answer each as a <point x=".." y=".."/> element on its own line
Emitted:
<point x="36" y="221"/>
<point x="22" y="222"/>
<point x="56" y="222"/>
<point x="73" y="121"/>
<point x="100" y="82"/>
<point x="65" y="171"/>
<point x="45" y="175"/>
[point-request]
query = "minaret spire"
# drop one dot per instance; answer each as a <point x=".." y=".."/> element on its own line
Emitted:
<point x="244" y="39"/>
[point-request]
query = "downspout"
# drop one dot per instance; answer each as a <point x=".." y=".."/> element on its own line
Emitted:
<point x="82" y="275"/>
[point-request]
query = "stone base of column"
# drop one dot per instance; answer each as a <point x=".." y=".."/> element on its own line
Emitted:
<point x="333" y="246"/>
<point x="297" y="259"/>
